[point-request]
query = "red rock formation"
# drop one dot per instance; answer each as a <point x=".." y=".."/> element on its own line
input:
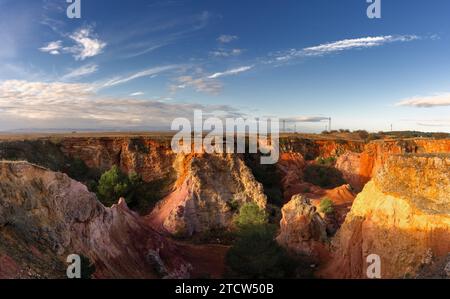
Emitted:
<point x="402" y="215"/>
<point x="46" y="216"/>
<point x="291" y="167"/>
<point x="150" y="158"/>
<point x="302" y="230"/>
<point x="359" y="168"/>
<point x="311" y="149"/>
<point x="208" y="192"/>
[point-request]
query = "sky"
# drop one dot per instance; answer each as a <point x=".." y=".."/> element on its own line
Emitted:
<point x="141" y="64"/>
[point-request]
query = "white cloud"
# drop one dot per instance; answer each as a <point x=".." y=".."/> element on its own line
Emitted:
<point x="81" y="72"/>
<point x="204" y="83"/>
<point x="136" y="94"/>
<point x="199" y="84"/>
<point x="227" y="38"/>
<point x="74" y="104"/>
<point x="434" y="124"/>
<point x="53" y="48"/>
<point x="306" y="119"/>
<point x="87" y="44"/>
<point x="231" y="72"/>
<point x="226" y="53"/>
<point x="437" y="100"/>
<point x="145" y="73"/>
<point x="343" y="45"/>
<point x="357" y="43"/>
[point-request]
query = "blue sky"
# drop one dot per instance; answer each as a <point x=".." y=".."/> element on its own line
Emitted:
<point x="143" y="63"/>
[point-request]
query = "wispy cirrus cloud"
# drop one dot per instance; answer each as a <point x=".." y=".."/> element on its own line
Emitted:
<point x="342" y="45"/>
<point x="145" y="36"/>
<point x="436" y="100"/>
<point x="201" y="82"/>
<point x="230" y="72"/>
<point x="357" y="43"/>
<point x="82" y="71"/>
<point x="141" y="74"/>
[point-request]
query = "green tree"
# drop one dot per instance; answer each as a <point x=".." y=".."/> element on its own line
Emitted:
<point x="139" y="195"/>
<point x="112" y="185"/>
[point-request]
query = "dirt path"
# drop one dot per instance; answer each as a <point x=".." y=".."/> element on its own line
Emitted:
<point x="208" y="260"/>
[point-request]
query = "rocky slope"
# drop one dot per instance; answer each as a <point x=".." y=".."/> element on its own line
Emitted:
<point x="45" y="216"/>
<point x="209" y="191"/>
<point x="402" y="215"/>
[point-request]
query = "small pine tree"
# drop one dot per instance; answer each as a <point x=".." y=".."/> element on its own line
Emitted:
<point x="112" y="185"/>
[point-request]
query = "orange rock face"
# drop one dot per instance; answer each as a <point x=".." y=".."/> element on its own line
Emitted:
<point x="359" y="168"/>
<point x="145" y="156"/>
<point x="302" y="230"/>
<point x="312" y="149"/>
<point x="209" y="191"/>
<point x="402" y="215"/>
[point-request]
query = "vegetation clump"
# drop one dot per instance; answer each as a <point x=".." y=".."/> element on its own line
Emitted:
<point x="326" y="206"/>
<point x="139" y="195"/>
<point x="255" y="253"/>
<point x="323" y="176"/>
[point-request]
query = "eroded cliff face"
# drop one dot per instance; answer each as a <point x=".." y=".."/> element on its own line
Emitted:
<point x="45" y="216"/>
<point x="209" y="191"/>
<point x="151" y="159"/>
<point x="402" y="215"/>
<point x="359" y="167"/>
<point x="311" y="149"/>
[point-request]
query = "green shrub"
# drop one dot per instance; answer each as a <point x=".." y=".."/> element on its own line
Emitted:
<point x="250" y="214"/>
<point x="323" y="176"/>
<point x="255" y="253"/>
<point x="330" y="161"/>
<point x="326" y="206"/>
<point x="139" y="195"/>
<point x="362" y="134"/>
